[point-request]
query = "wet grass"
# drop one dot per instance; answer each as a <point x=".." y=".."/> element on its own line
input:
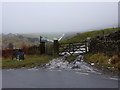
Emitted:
<point x="100" y="59"/>
<point x="30" y="61"/>
<point x="0" y="64"/>
<point x="71" y="58"/>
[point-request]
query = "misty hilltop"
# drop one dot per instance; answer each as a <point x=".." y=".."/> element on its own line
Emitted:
<point x="30" y="39"/>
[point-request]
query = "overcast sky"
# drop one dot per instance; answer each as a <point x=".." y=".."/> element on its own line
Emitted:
<point x="58" y="17"/>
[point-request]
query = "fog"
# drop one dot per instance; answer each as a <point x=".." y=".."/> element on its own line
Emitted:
<point x="37" y="17"/>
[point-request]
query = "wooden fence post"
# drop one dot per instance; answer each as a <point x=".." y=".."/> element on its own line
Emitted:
<point x="56" y="48"/>
<point x="42" y="47"/>
<point x="86" y="46"/>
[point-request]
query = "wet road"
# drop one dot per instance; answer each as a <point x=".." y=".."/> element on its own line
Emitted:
<point x="24" y="78"/>
<point x="58" y="74"/>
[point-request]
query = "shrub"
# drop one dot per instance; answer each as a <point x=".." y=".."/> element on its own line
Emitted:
<point x="7" y="53"/>
<point x="115" y="59"/>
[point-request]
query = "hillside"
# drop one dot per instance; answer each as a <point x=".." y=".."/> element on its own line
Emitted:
<point x="17" y="40"/>
<point x="82" y="36"/>
<point x="29" y="39"/>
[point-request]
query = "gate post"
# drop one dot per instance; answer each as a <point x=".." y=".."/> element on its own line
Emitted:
<point x="42" y="47"/>
<point x="56" y="48"/>
<point x="86" y="46"/>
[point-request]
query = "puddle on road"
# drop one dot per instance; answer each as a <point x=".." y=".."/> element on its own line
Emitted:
<point x="82" y="73"/>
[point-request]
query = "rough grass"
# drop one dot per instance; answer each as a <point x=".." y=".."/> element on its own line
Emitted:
<point x="101" y="60"/>
<point x="82" y="36"/>
<point x="0" y="63"/>
<point x="30" y="61"/>
<point x="71" y="58"/>
<point x="98" y="58"/>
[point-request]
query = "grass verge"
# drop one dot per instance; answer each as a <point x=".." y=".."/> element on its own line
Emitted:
<point x="30" y="61"/>
<point x="102" y="60"/>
